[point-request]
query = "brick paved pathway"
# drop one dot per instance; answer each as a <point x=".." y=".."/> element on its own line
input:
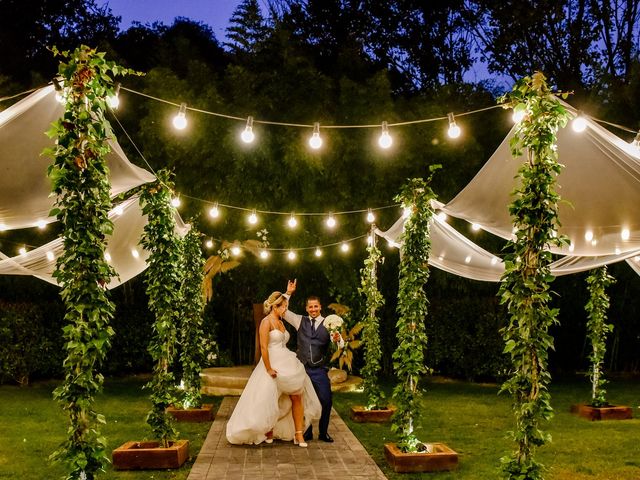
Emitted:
<point x="345" y="458"/>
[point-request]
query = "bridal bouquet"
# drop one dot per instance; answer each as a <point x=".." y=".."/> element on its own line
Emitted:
<point x="334" y="323"/>
<point x="346" y="341"/>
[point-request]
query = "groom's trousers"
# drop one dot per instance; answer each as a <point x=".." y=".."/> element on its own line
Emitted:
<point x="320" y="380"/>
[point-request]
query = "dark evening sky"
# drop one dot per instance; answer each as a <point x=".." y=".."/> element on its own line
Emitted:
<point x="215" y="13"/>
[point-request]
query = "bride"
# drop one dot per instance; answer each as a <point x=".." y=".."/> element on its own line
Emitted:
<point x="279" y="400"/>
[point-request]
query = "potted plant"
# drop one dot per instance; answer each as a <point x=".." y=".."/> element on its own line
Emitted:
<point x="376" y="409"/>
<point x="410" y="454"/>
<point x="163" y="281"/>
<point x="597" y="330"/>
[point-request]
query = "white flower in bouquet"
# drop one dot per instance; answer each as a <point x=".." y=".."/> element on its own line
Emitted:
<point x="333" y="323"/>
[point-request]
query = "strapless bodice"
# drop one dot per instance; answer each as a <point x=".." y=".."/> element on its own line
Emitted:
<point x="278" y="339"/>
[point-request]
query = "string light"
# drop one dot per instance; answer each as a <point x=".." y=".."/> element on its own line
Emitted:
<point x="625" y="234"/>
<point x="579" y="123"/>
<point x="588" y="235"/>
<point x="3" y="227"/>
<point x="406" y="212"/>
<point x="50" y="256"/>
<point x="107" y="256"/>
<point x="518" y="114"/>
<point x="344" y="246"/>
<point x="315" y="141"/>
<point x="209" y="244"/>
<point x="247" y="134"/>
<point x="370" y="216"/>
<point x="135" y="253"/>
<point x="118" y="210"/>
<point x="41" y="224"/>
<point x="441" y="216"/>
<point x="494" y="261"/>
<point x="180" y="120"/>
<point x="331" y="221"/>
<point x="292" y="222"/>
<point x="318" y="253"/>
<point x="385" y="139"/>
<point x="114" y="100"/>
<point x="235" y="250"/>
<point x="175" y="201"/>
<point x="22" y="251"/>
<point x="60" y="93"/>
<point x="264" y="254"/>
<point x="454" y="130"/>
<point x="475" y="227"/>
<point x="291" y="255"/>
<point x="253" y="218"/>
<point x="214" y="212"/>
<point x="369" y="240"/>
<point x="467" y="259"/>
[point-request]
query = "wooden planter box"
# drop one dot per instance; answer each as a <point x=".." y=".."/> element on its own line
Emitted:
<point x="149" y="456"/>
<point x="202" y="414"/>
<point x="612" y="412"/>
<point x="362" y="415"/>
<point x="442" y="459"/>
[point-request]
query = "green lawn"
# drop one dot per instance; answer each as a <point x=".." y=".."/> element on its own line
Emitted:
<point x="472" y="419"/>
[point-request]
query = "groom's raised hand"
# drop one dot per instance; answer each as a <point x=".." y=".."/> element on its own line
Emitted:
<point x="291" y="286"/>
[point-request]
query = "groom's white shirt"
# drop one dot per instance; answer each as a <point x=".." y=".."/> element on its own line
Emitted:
<point x="294" y="319"/>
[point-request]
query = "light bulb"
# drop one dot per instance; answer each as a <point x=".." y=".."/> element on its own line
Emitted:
<point x="370" y="216"/>
<point x="118" y="210"/>
<point x="315" y="141"/>
<point x="214" y="212"/>
<point x="494" y="260"/>
<point x="247" y="134"/>
<point x="264" y="254"/>
<point x="441" y="216"/>
<point x="235" y="250"/>
<point x="318" y="252"/>
<point x="625" y="234"/>
<point x="50" y="256"/>
<point x="135" y="253"/>
<point x="344" y="247"/>
<point x="579" y="123"/>
<point x="209" y="243"/>
<point x="406" y="212"/>
<point x="41" y="224"/>
<point x="292" y="222"/>
<point x="107" y="256"/>
<point x="253" y="218"/>
<point x="475" y="227"/>
<point x="369" y="240"/>
<point x="114" y="100"/>
<point x="454" y="130"/>
<point x="588" y="235"/>
<point x="180" y="120"/>
<point x="175" y="202"/>
<point x="291" y="255"/>
<point x="467" y="259"/>
<point x="518" y="115"/>
<point x="3" y="227"/>
<point x="390" y="244"/>
<point x="331" y="221"/>
<point x="385" y="139"/>
<point x="22" y="251"/>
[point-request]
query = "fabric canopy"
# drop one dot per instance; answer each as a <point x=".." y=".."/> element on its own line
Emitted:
<point x="24" y="187"/>
<point x="125" y="254"/>
<point x="599" y="186"/>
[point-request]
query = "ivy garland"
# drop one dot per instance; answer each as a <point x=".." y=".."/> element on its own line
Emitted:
<point x="408" y="358"/>
<point x="597" y="330"/>
<point x="371" y="331"/>
<point x="192" y="355"/>
<point x="525" y="283"/>
<point x="163" y="281"/>
<point x="79" y="177"/>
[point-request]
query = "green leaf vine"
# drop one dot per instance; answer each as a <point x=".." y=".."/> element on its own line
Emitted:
<point x="525" y="286"/>
<point x="163" y="285"/>
<point x="408" y="358"/>
<point x="371" y="331"/>
<point x="597" y="330"/>
<point x="192" y="355"/>
<point x="79" y="177"/>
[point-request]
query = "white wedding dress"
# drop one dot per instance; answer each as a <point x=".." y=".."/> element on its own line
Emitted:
<point x="265" y="403"/>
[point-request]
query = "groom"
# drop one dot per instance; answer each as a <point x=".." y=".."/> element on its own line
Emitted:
<point x="313" y="343"/>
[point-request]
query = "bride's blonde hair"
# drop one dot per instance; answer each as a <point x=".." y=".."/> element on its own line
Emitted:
<point x="274" y="300"/>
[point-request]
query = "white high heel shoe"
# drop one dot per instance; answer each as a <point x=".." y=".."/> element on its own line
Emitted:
<point x="269" y="438"/>
<point x="302" y="443"/>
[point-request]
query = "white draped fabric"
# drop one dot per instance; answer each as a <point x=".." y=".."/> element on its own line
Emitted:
<point x="24" y="187"/>
<point x="599" y="186"/>
<point x="127" y="232"/>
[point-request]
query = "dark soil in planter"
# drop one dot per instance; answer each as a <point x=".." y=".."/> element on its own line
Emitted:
<point x="150" y="456"/>
<point x="441" y="458"/>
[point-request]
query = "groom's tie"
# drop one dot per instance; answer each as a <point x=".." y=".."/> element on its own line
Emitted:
<point x="313" y="324"/>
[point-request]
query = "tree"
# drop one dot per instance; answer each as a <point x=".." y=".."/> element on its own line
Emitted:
<point x="247" y="29"/>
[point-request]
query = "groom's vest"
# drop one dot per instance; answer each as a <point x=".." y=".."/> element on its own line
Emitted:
<point x="312" y="346"/>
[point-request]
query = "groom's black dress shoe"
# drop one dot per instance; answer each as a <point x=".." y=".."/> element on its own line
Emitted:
<point x="326" y="438"/>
